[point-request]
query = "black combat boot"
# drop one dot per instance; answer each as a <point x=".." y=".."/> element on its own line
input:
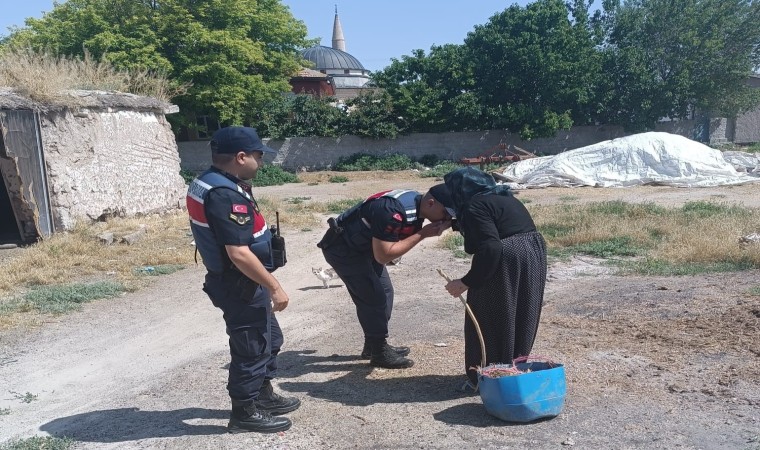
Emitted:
<point x="274" y="403"/>
<point x="383" y="355"/>
<point x="249" y="418"/>
<point x="367" y="350"/>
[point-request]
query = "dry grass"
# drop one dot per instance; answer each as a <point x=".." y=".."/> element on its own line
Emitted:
<point x="46" y="78"/>
<point x="697" y="233"/>
<point x="78" y="256"/>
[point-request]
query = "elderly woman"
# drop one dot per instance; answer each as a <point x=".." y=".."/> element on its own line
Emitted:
<point x="505" y="283"/>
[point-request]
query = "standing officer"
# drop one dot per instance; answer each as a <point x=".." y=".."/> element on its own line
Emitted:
<point x="369" y="235"/>
<point x="233" y="239"/>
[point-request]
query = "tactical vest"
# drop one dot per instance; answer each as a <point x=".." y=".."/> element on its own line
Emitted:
<point x="214" y="255"/>
<point x="358" y="231"/>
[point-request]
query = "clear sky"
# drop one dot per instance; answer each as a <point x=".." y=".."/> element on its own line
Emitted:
<point x="375" y="31"/>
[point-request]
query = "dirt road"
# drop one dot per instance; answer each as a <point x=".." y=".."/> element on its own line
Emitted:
<point x="651" y="362"/>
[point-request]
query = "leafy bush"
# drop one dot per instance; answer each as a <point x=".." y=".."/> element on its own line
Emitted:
<point x="440" y="170"/>
<point x="363" y="162"/>
<point x="337" y="179"/>
<point x="271" y="175"/>
<point x="187" y="175"/>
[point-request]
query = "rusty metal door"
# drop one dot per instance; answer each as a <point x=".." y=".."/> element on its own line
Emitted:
<point x="24" y="172"/>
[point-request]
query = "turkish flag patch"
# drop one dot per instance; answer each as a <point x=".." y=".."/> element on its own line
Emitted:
<point x="398" y="217"/>
<point x="240" y="209"/>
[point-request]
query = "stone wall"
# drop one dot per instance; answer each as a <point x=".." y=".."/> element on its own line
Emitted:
<point x="747" y="128"/>
<point x="316" y="153"/>
<point x="110" y="162"/>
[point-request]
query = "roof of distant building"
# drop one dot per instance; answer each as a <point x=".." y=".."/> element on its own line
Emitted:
<point x="325" y="58"/>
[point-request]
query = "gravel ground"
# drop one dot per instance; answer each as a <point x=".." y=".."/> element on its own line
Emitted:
<point x="652" y="362"/>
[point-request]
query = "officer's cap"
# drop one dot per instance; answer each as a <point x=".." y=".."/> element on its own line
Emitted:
<point x="238" y="139"/>
<point x="442" y="195"/>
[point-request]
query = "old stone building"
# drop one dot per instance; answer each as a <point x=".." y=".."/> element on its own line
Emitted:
<point x="112" y="154"/>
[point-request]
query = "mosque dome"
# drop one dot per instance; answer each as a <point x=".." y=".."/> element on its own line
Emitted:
<point x="327" y="58"/>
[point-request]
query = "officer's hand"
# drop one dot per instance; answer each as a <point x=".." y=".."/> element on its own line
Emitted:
<point x="279" y="300"/>
<point x="435" y="228"/>
<point x="456" y="288"/>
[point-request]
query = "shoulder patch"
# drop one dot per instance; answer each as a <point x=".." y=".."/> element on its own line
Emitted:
<point x="398" y="217"/>
<point x="240" y="219"/>
<point x="237" y="208"/>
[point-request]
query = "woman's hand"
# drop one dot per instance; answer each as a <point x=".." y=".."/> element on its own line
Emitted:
<point x="456" y="288"/>
<point x="435" y="228"/>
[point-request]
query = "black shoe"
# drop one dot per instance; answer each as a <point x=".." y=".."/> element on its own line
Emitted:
<point x="248" y="418"/>
<point x="274" y="403"/>
<point x="367" y="350"/>
<point x="385" y="356"/>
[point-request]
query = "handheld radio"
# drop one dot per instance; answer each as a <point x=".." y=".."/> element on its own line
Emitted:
<point x="279" y="257"/>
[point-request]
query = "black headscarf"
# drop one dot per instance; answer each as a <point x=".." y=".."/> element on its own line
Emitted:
<point x="468" y="182"/>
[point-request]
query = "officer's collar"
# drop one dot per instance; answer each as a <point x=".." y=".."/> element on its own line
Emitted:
<point x="417" y="204"/>
<point x="243" y="185"/>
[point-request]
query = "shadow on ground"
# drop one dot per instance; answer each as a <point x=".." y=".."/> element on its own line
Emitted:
<point x="354" y="388"/>
<point x="131" y="424"/>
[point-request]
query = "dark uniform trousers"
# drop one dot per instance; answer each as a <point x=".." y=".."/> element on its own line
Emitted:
<point x="255" y="335"/>
<point x="367" y="282"/>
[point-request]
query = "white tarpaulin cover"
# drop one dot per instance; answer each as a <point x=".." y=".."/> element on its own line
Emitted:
<point x="646" y="158"/>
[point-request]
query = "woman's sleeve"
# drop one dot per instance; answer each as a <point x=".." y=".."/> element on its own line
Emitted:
<point x="481" y="238"/>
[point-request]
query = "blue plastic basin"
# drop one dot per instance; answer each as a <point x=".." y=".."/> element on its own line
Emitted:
<point x="526" y="397"/>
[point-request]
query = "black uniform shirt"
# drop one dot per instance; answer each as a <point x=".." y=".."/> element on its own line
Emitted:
<point x="488" y="220"/>
<point x="230" y="217"/>
<point x="386" y="217"/>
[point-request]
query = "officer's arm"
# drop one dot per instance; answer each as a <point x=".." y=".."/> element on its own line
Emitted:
<point x="249" y="264"/>
<point x="385" y="251"/>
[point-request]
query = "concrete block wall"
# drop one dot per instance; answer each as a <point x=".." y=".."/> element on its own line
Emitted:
<point x="318" y="153"/>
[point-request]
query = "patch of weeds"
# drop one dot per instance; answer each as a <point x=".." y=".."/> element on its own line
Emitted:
<point x="623" y="209"/>
<point x="67" y="297"/>
<point x="429" y="160"/>
<point x="455" y="243"/>
<point x="364" y="162"/>
<point x="665" y="268"/>
<point x="161" y="269"/>
<point x="338" y="206"/>
<point x="568" y="198"/>
<point x="271" y="175"/>
<point x="313" y="183"/>
<point x="657" y="234"/>
<point x="439" y="170"/>
<point x="5" y="411"/>
<point x="305" y="230"/>
<point x="525" y="201"/>
<point x="338" y="179"/>
<point x="707" y="209"/>
<point x="297" y="200"/>
<point x="555" y="230"/>
<point x="617" y="246"/>
<point x="25" y="398"/>
<point x="754" y="291"/>
<point x="187" y="175"/>
<point x="559" y="253"/>
<point x="39" y="443"/>
<point x="754" y="148"/>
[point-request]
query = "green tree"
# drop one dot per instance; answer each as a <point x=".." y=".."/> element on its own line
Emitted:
<point x="433" y="93"/>
<point x="238" y="54"/>
<point x="371" y="115"/>
<point x="669" y="57"/>
<point x="536" y="68"/>
<point x="299" y="116"/>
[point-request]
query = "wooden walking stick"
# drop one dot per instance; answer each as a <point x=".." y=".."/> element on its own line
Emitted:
<point x="474" y="321"/>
